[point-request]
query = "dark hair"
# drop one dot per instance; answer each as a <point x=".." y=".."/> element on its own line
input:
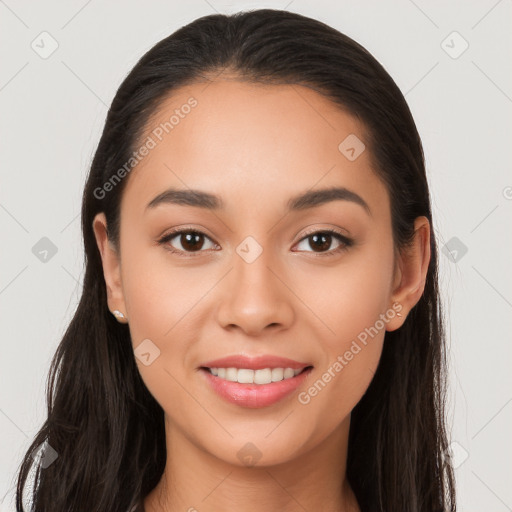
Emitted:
<point x="105" y="426"/>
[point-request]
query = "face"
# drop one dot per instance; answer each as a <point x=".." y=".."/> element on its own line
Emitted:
<point x="262" y="272"/>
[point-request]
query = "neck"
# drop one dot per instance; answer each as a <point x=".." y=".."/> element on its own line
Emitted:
<point x="195" y="480"/>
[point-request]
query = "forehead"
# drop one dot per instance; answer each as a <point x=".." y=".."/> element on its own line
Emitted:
<point x="250" y="142"/>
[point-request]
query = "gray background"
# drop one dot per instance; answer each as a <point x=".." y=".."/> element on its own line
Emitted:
<point x="52" y="112"/>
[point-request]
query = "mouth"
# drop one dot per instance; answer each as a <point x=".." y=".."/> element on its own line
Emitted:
<point x="254" y="389"/>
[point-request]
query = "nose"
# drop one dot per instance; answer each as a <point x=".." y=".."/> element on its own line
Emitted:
<point x="255" y="298"/>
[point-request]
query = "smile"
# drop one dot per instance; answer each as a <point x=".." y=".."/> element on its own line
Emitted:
<point x="254" y="388"/>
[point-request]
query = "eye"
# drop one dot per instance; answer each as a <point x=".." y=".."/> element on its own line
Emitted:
<point x="321" y="240"/>
<point x="192" y="241"/>
<point x="187" y="240"/>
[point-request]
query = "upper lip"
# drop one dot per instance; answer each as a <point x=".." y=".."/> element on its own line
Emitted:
<point x="255" y="363"/>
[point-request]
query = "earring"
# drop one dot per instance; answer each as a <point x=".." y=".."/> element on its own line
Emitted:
<point x="118" y="314"/>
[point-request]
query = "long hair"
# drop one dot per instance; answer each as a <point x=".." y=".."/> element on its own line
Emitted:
<point x="105" y="427"/>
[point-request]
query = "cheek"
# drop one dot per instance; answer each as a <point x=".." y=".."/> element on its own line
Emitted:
<point x="160" y="304"/>
<point x="350" y="296"/>
<point x="160" y="295"/>
<point x="351" y="354"/>
<point x="356" y="309"/>
<point x="163" y="303"/>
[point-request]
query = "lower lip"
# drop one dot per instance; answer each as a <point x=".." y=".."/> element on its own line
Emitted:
<point x="254" y="395"/>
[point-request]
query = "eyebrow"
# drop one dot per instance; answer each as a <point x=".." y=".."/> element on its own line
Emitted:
<point x="309" y="199"/>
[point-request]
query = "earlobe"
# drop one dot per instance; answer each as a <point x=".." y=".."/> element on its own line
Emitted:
<point x="111" y="267"/>
<point x="412" y="272"/>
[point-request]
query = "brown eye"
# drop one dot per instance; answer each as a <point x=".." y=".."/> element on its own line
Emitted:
<point x="186" y="241"/>
<point x="191" y="241"/>
<point x="321" y="241"/>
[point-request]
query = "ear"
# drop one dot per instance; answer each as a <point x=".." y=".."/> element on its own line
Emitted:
<point x="111" y="266"/>
<point x="411" y="273"/>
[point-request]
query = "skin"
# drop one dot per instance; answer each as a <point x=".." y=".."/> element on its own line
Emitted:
<point x="256" y="146"/>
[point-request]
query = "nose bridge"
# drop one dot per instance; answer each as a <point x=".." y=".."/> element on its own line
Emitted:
<point x="255" y="297"/>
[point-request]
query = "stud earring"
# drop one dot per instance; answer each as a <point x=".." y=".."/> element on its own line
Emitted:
<point x="118" y="314"/>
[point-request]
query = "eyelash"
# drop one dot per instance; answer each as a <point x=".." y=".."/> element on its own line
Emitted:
<point x="345" y="242"/>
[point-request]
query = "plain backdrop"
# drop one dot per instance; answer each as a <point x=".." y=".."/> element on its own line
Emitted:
<point x="61" y="64"/>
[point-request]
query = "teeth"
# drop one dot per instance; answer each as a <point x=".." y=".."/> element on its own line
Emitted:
<point x="247" y="376"/>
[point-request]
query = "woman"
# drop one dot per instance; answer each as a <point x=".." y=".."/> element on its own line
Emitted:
<point x="260" y="325"/>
